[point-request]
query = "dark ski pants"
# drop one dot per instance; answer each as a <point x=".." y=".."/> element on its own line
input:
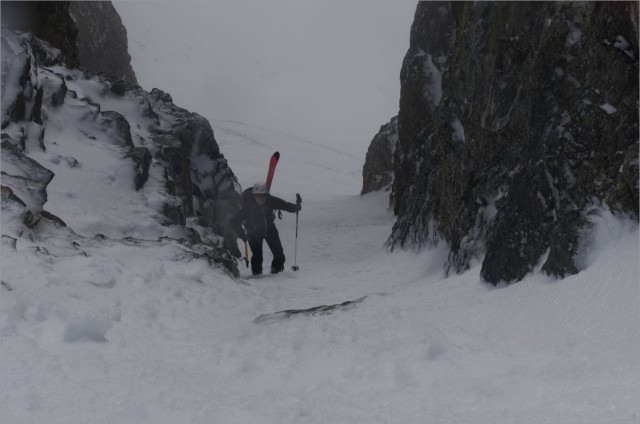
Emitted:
<point x="273" y="241"/>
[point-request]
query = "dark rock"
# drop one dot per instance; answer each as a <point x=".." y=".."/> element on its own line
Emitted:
<point x="119" y="87"/>
<point x="28" y="179"/>
<point x="150" y="113"/>
<point x="52" y="218"/>
<point x="521" y="232"/>
<point x="23" y="166"/>
<point x="20" y="143"/>
<point x="97" y="108"/>
<point x="102" y="40"/>
<point x="8" y="195"/>
<point x="33" y="195"/>
<point x="177" y="163"/>
<point x="16" y="69"/>
<point x="196" y="171"/>
<point x="142" y="158"/>
<point x="160" y="95"/>
<point x="45" y="54"/>
<point x="117" y="127"/>
<point x="174" y="211"/>
<point x="49" y="21"/>
<point x="227" y="207"/>
<point x="515" y="118"/>
<point x="30" y="219"/>
<point x="26" y="86"/>
<point x="377" y="173"/>
<point x="54" y="85"/>
<point x="36" y="114"/>
<point x="564" y="244"/>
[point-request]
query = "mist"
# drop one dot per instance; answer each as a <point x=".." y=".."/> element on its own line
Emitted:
<point x="327" y="72"/>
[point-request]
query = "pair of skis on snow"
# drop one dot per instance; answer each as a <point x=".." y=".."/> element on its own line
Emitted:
<point x="273" y="162"/>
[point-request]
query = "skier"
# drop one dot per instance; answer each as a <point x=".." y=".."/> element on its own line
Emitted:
<point x="258" y="217"/>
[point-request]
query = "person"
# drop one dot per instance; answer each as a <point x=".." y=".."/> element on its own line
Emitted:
<point x="258" y="218"/>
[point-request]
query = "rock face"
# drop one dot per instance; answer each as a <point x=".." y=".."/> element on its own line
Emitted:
<point x="102" y="39"/>
<point x="88" y="33"/>
<point x="516" y="120"/>
<point x="48" y="21"/>
<point x="377" y="173"/>
<point x="196" y="172"/>
<point x="25" y="177"/>
<point x="159" y="143"/>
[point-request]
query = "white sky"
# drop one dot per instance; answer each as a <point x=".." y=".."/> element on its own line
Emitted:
<point x="325" y="71"/>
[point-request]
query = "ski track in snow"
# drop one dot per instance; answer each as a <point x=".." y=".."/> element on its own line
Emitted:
<point x="130" y="334"/>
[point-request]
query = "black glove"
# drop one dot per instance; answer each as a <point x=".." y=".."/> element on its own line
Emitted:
<point x="298" y="207"/>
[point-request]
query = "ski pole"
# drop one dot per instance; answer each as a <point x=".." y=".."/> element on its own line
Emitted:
<point x="246" y="253"/>
<point x="295" y="267"/>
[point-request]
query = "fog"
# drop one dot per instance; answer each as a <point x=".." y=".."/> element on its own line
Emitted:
<point x="324" y="71"/>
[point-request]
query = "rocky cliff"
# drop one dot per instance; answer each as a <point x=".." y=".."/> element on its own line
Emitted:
<point x="47" y="20"/>
<point x="377" y="172"/>
<point x="102" y="39"/>
<point x="88" y="33"/>
<point x="517" y="121"/>
<point x="110" y="159"/>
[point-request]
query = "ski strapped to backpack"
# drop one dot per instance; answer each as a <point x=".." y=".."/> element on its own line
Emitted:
<point x="272" y="168"/>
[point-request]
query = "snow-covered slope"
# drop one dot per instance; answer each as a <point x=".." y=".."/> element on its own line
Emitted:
<point x="138" y="333"/>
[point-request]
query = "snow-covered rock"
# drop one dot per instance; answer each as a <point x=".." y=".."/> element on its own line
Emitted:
<point x="26" y="178"/>
<point x="126" y="162"/>
<point x="85" y="33"/>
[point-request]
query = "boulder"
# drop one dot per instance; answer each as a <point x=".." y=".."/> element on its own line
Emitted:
<point x="116" y="127"/>
<point x="54" y="86"/>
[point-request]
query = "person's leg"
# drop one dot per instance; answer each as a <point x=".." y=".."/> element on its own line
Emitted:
<point x="273" y="241"/>
<point x="255" y="243"/>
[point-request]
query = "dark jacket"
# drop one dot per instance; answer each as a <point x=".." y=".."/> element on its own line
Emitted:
<point x="258" y="219"/>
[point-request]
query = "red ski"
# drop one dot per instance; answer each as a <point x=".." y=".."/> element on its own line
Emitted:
<point x="272" y="168"/>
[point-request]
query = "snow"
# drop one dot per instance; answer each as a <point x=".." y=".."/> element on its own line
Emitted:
<point x="268" y="63"/>
<point x="623" y="45"/>
<point x="574" y="36"/>
<point x="432" y="90"/>
<point x="458" y="130"/>
<point x="111" y="330"/>
<point x="608" y="108"/>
